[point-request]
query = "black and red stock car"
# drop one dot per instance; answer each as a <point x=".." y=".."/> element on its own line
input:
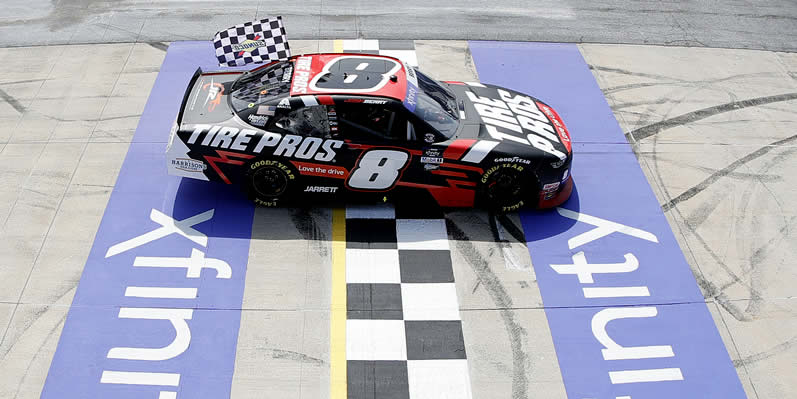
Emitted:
<point x="369" y="127"/>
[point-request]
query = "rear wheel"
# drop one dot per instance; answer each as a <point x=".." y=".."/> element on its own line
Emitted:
<point x="270" y="183"/>
<point x="507" y="187"/>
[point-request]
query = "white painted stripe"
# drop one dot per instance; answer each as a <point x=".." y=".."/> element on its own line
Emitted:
<point x="362" y="66"/>
<point x="360" y="44"/>
<point x="375" y="340"/>
<point x="615" y="292"/>
<point x="382" y="211"/>
<point x="461" y="114"/>
<point x="429" y="301"/>
<point x="373" y="266"/>
<point x="476" y="84"/>
<point x="308" y="101"/>
<point x="161" y="292"/>
<point x="350" y="78"/>
<point x="407" y="56"/>
<point x="140" y="378"/>
<point x="650" y="375"/>
<point x="438" y="379"/>
<point x="421" y="234"/>
<point x="167" y="395"/>
<point x="479" y="150"/>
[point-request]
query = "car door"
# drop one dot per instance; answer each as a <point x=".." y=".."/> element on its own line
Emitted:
<point x="382" y="142"/>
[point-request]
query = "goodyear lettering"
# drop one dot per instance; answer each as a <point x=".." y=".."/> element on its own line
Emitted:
<point x="277" y="164"/>
<point x="514" y="159"/>
<point x="246" y="140"/>
<point x="510" y="118"/>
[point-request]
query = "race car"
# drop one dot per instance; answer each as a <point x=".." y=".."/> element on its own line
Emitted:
<point x="371" y="128"/>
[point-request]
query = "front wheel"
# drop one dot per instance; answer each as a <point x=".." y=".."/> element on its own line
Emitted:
<point x="506" y="187"/>
<point x="270" y="183"/>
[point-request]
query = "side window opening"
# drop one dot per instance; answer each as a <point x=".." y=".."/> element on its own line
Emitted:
<point x="307" y="121"/>
<point x="375" y="122"/>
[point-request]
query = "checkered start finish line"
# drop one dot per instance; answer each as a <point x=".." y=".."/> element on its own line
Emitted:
<point x="403" y="329"/>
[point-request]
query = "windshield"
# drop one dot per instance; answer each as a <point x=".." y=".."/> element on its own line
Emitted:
<point x="261" y="85"/>
<point x="436" y="105"/>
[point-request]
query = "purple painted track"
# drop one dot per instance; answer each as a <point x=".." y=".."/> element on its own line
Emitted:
<point x="665" y="344"/>
<point x="108" y="316"/>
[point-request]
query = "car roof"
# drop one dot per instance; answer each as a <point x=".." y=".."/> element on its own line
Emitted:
<point x="352" y="74"/>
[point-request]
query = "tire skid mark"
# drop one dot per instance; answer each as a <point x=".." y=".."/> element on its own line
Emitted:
<point x="655" y="128"/>
<point x="502" y="301"/>
<point x="304" y="219"/>
<point x="13" y="102"/>
<point x="159" y="45"/>
<point x="691" y="192"/>
<point x="771" y="352"/>
<point x="755" y="256"/>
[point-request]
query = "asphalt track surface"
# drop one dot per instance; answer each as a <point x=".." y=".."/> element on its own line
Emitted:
<point x="714" y="142"/>
<point x="767" y="25"/>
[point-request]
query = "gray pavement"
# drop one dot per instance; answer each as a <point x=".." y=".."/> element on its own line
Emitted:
<point x="725" y="178"/>
<point x="769" y="25"/>
<point x="719" y="158"/>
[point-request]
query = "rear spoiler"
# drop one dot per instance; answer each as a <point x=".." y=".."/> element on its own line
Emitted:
<point x="187" y="94"/>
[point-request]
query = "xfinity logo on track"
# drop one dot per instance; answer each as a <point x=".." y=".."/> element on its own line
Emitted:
<point x="507" y="119"/>
<point x="148" y="319"/>
<point x="588" y="273"/>
<point x="255" y="142"/>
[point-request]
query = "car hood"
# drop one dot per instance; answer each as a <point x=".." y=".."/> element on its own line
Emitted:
<point x="520" y="123"/>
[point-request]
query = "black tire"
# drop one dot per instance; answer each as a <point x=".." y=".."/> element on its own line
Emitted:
<point x="270" y="183"/>
<point x="507" y="187"/>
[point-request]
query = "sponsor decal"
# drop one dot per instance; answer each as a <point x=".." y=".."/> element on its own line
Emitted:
<point x="257" y="120"/>
<point x="286" y="76"/>
<point x="549" y="190"/>
<point x="353" y="100"/>
<point x="301" y="75"/>
<point x="550" y="187"/>
<point x="313" y="169"/>
<point x="565" y="175"/>
<point x="320" y="189"/>
<point x="564" y="136"/>
<point x="432" y="160"/>
<point x="254" y="142"/>
<point x="284" y="103"/>
<point x="411" y="97"/>
<point x="189" y="165"/>
<point x="514" y="159"/>
<point x="517" y="119"/>
<point x="215" y="91"/>
<point x="428" y="137"/>
<point x="266" y="110"/>
<point x="378" y="102"/>
<point x="249" y="45"/>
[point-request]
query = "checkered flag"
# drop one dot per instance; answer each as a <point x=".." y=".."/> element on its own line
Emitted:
<point x="252" y="42"/>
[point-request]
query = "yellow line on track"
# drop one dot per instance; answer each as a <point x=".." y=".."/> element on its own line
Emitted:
<point x="337" y="324"/>
<point x="338" y="46"/>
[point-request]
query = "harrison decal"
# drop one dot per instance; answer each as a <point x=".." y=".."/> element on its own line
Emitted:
<point x="189" y="165"/>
